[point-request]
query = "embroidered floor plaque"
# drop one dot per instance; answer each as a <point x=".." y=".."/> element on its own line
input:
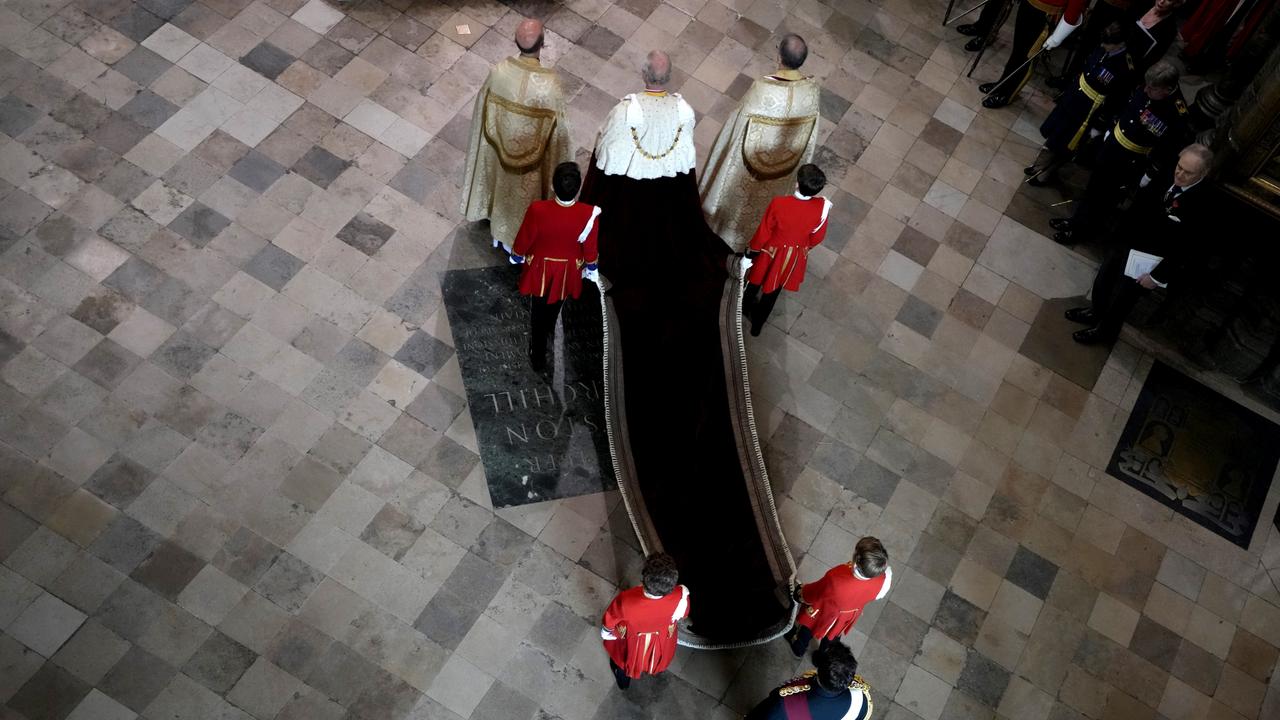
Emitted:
<point x="541" y="435"/>
<point x="1198" y="452"/>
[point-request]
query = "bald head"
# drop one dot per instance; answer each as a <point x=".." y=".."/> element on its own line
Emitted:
<point x="529" y="36"/>
<point x="657" y="69"/>
<point x="792" y="51"/>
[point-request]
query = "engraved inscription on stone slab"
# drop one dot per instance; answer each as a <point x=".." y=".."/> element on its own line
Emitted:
<point x="541" y="435"/>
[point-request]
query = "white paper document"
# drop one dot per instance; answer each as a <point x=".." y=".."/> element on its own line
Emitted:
<point x="1140" y="263"/>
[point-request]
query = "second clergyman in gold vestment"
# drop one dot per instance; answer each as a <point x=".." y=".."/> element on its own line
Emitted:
<point x="773" y="131"/>
<point x="518" y="136"/>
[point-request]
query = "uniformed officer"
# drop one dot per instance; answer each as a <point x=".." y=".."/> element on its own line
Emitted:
<point x="1143" y="142"/>
<point x="1082" y="112"/>
<point x="1097" y="19"/>
<point x="832" y="691"/>
<point x="1037" y="24"/>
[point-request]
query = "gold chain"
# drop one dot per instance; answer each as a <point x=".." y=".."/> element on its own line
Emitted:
<point x="635" y="138"/>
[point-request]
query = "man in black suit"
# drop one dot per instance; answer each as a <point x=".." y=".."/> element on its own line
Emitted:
<point x="1168" y="215"/>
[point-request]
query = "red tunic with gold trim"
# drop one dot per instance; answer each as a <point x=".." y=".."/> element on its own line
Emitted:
<point x="792" y="225"/>
<point x="556" y="241"/>
<point x="639" y="631"/>
<point x="832" y="604"/>
<point x="1070" y="10"/>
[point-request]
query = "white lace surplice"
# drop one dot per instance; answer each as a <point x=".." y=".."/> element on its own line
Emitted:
<point x="647" y="136"/>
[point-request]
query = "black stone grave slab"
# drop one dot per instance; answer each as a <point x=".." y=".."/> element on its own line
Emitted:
<point x="1198" y="452"/>
<point x="541" y="435"/>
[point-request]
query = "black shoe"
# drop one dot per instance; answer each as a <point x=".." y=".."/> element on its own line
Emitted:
<point x="1090" y="336"/>
<point x="987" y="87"/>
<point x="755" y="331"/>
<point x="974" y="45"/>
<point x="1030" y="170"/>
<point x="969" y="29"/>
<point x="1064" y="237"/>
<point x="1082" y="315"/>
<point x="1061" y="224"/>
<point x="1040" y="180"/>
<point x="993" y="102"/>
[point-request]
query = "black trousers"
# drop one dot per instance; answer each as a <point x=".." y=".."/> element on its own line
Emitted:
<point x="1114" y="294"/>
<point x="757" y="306"/>
<point x="1029" y="24"/>
<point x="1114" y="169"/>
<point x="543" y="324"/>
<point x="619" y="676"/>
<point x="800" y="641"/>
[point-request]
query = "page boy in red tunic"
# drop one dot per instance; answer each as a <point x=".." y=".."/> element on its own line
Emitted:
<point x="557" y="244"/>
<point x="830" y="606"/>
<point x="639" y="627"/>
<point x="779" y="251"/>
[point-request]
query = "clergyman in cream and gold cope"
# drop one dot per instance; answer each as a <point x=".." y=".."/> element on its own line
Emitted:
<point x="773" y="131"/>
<point x="519" y="134"/>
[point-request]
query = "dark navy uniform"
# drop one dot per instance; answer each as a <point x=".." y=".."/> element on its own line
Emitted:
<point x="1096" y="20"/>
<point x="1144" y="140"/>
<point x="1100" y="87"/>
<point x="803" y="699"/>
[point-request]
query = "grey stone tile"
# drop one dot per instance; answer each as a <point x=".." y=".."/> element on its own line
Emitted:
<point x="935" y="559"/>
<point x="502" y="543"/>
<point x="838" y="462"/>
<point x="213" y="325"/>
<point x="424" y="353"/>
<point x="288" y="582"/>
<point x="273" y="267"/>
<point x="148" y="110"/>
<point x="125" y="544"/>
<point x="1031" y="572"/>
<point x="137" y="679"/>
<point x="320" y="166"/>
<point x="219" y="663"/>
<point x="366" y="233"/>
<point x="199" y="223"/>
<point x="182" y="355"/>
<point x="1155" y="643"/>
<point x="358" y="362"/>
<point x="102" y="311"/>
<point x="50" y="694"/>
<point x="124" y="181"/>
<point x="558" y="632"/>
<point x="409" y="439"/>
<point x="257" y="171"/>
<point x="449" y="462"/>
<point x="919" y="316"/>
<point x="267" y="60"/>
<point x="899" y="630"/>
<point x="959" y="618"/>
<point x="341" y="449"/>
<point x="168" y="570"/>
<point x="137" y="24"/>
<point x="342" y="674"/>
<point x="310" y="483"/>
<point x="435" y="406"/>
<point x="246" y="556"/>
<point x="392" y="532"/>
<point x="16" y="116"/>
<point x="119" y="481"/>
<point x="142" y="66"/>
<point x="229" y="435"/>
<point x="135" y="279"/>
<point x="82" y="113"/>
<point x="86" y="583"/>
<point x="416" y="181"/>
<point x="447" y="619"/>
<point x="983" y="678"/>
<point x="91" y="652"/>
<point x="173" y="301"/>
<point x="297" y="648"/>
<point x="327" y="56"/>
<point x="387" y="696"/>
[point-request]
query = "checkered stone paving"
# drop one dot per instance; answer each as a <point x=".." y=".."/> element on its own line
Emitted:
<point x="239" y="479"/>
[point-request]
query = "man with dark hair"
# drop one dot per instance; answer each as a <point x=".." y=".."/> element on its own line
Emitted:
<point x="640" y="625"/>
<point x="557" y="244"/>
<point x="518" y="135"/>
<point x="1144" y="140"/>
<point x="831" y="691"/>
<point x="792" y="226"/>
<point x="830" y="607"/>
<point x="772" y="132"/>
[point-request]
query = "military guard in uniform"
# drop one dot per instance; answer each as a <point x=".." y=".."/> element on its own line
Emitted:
<point x="1037" y="24"/>
<point x="833" y="690"/>
<point x="518" y="136"/>
<point x="830" y="607"/>
<point x="1081" y="112"/>
<point x="1097" y="19"/>
<point x="779" y="251"/>
<point x="772" y="132"/>
<point x="1143" y="142"/>
<point x="557" y="245"/>
<point x="640" y="626"/>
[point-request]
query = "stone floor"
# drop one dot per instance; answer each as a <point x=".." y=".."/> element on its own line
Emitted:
<point x="239" y="480"/>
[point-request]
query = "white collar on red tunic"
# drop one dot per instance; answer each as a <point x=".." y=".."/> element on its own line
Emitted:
<point x="798" y="196"/>
<point x="562" y="203"/>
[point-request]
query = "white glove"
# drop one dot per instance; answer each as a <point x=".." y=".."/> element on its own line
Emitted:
<point x="1145" y="181"/>
<point x="592" y="275"/>
<point x="744" y="266"/>
<point x="1060" y="33"/>
<point x="1094" y="133"/>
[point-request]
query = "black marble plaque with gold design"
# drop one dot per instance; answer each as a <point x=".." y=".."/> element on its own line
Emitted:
<point x="1199" y="453"/>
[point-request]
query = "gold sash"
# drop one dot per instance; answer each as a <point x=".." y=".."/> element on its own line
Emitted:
<point x="773" y="147"/>
<point x="518" y="133"/>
